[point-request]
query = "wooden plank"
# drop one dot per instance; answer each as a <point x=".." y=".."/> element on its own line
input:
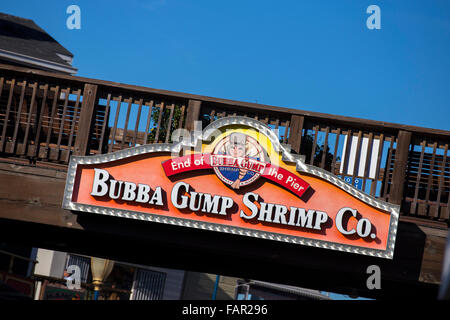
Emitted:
<point x="149" y="118"/>
<point x="63" y="118"/>
<point x="18" y="115"/>
<point x="52" y="117"/>
<point x="193" y="114"/>
<point x="56" y="154"/>
<point x="296" y="131"/>
<point x="180" y="121"/>
<point x="313" y="150"/>
<point x="169" y="124"/>
<point x="116" y="119"/>
<point x="127" y="118"/>
<point x="431" y="268"/>
<point x="85" y="122"/>
<point x="430" y="176"/>
<point x="138" y="118"/>
<point x="128" y="137"/>
<point x="8" y="109"/>
<point x="105" y="124"/>
<point x="286" y="130"/>
<point x="325" y="147"/>
<point x="41" y="116"/>
<point x="28" y="187"/>
<point x="24" y="197"/>
<point x="387" y="170"/>
<point x="336" y="146"/>
<point x="30" y="114"/>
<point x="158" y="126"/>
<point x="401" y="161"/>
<point x="74" y="121"/>
<point x="38" y="213"/>
<point x="419" y="173"/>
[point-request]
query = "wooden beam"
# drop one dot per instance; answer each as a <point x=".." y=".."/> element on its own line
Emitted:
<point x="85" y="122"/>
<point x="34" y="195"/>
<point x="401" y="161"/>
<point x="295" y="133"/>
<point x="193" y="114"/>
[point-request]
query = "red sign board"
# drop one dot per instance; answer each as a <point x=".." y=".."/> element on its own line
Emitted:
<point x="236" y="178"/>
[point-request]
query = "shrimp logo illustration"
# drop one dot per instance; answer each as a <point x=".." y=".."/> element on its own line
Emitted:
<point x="238" y="160"/>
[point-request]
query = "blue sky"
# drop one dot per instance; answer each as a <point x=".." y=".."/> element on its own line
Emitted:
<point x="311" y="55"/>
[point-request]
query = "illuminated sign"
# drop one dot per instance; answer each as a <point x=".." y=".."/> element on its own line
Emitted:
<point x="234" y="177"/>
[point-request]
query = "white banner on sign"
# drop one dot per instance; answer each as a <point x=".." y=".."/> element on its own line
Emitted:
<point x="362" y="159"/>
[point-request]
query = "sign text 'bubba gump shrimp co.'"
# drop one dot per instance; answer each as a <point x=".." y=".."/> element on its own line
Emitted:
<point x="234" y="177"/>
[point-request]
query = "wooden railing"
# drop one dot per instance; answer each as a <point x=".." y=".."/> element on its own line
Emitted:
<point x="46" y="117"/>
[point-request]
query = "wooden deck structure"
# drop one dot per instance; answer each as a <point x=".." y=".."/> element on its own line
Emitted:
<point x="46" y="117"/>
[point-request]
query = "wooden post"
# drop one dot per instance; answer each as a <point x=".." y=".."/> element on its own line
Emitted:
<point x="85" y="122"/>
<point x="295" y="133"/>
<point x="399" y="173"/>
<point x="193" y="114"/>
